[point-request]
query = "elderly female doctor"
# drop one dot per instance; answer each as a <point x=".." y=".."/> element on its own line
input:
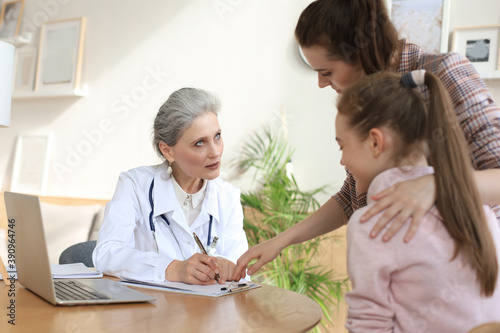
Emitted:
<point x="148" y="226"/>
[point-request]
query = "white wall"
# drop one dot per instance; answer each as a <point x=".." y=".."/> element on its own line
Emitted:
<point x="244" y="51"/>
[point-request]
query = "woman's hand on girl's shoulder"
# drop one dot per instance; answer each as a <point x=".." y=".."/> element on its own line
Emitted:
<point x="410" y="199"/>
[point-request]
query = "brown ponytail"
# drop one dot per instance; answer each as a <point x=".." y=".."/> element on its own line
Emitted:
<point x="457" y="197"/>
<point x="382" y="100"/>
<point x="351" y="30"/>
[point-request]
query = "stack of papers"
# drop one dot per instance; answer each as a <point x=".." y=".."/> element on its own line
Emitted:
<point x="74" y="271"/>
<point x="67" y="271"/>
<point x="214" y="290"/>
<point x="10" y="272"/>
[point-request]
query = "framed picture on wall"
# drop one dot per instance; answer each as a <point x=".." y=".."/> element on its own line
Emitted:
<point x="480" y="45"/>
<point x="31" y="163"/>
<point x="422" y="22"/>
<point x="10" y="18"/>
<point x="60" y="55"/>
<point x="25" y="64"/>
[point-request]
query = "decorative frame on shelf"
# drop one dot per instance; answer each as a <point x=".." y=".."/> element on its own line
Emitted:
<point x="25" y="65"/>
<point x="409" y="16"/>
<point x="481" y="45"/>
<point x="31" y="163"/>
<point x="10" y="18"/>
<point x="60" y="56"/>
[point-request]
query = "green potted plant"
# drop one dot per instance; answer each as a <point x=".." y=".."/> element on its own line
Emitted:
<point x="275" y="205"/>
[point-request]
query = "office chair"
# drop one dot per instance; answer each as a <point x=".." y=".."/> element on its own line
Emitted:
<point x="493" y="327"/>
<point x="81" y="252"/>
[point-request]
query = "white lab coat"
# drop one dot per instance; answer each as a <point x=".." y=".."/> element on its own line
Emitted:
<point x="125" y="245"/>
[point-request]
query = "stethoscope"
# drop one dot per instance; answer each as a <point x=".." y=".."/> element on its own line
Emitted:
<point x="152" y="225"/>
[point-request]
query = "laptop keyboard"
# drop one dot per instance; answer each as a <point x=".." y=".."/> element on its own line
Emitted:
<point x="74" y="290"/>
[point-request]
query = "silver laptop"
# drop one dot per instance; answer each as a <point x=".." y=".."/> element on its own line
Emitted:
<point x="33" y="268"/>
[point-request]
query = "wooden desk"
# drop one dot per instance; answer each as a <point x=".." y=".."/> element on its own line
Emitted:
<point x="265" y="309"/>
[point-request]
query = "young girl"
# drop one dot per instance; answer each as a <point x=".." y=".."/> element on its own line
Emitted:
<point x="446" y="279"/>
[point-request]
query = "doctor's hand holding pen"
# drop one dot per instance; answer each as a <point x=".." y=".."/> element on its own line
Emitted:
<point x="200" y="269"/>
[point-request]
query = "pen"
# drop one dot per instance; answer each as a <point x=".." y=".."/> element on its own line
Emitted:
<point x="240" y="286"/>
<point x="202" y="248"/>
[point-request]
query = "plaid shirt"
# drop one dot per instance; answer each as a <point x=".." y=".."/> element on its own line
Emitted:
<point x="476" y="110"/>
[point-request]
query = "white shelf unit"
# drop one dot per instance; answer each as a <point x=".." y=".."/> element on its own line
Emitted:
<point x="50" y="94"/>
<point x="20" y="41"/>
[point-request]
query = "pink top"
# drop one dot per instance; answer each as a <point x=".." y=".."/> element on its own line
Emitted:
<point x="413" y="287"/>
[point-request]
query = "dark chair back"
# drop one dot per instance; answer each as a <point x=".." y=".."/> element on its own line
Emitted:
<point x="81" y="252"/>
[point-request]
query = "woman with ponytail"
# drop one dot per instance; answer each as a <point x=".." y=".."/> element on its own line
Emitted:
<point x="446" y="279"/>
<point x="344" y="40"/>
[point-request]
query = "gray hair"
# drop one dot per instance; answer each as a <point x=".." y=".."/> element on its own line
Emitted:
<point x="179" y="112"/>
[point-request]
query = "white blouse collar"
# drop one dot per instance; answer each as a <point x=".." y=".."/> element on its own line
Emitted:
<point x="194" y="199"/>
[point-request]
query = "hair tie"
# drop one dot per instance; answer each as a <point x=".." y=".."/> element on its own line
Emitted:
<point x="414" y="79"/>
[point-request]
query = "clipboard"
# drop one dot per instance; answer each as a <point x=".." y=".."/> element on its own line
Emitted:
<point x="214" y="290"/>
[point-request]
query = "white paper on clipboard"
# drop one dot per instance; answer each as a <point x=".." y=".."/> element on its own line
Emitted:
<point x="214" y="290"/>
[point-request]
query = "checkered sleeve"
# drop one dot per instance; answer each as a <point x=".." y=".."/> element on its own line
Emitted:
<point x="347" y="197"/>
<point x="478" y="114"/>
